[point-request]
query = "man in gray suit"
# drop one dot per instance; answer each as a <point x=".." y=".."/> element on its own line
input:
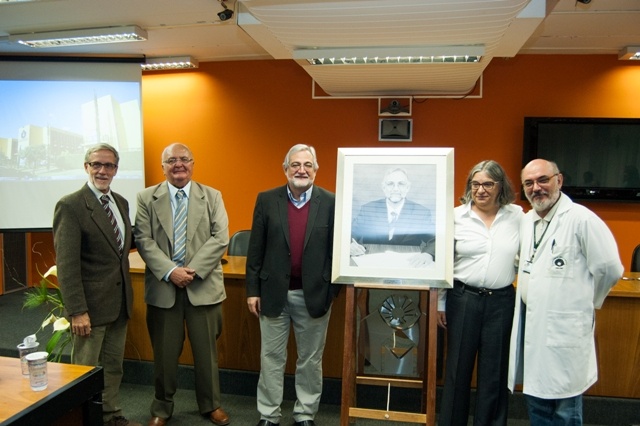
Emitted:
<point x="92" y="238"/>
<point x="183" y="280"/>
<point x="289" y="282"/>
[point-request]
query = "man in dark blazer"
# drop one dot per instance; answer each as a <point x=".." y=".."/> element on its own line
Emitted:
<point x="394" y="221"/>
<point x="92" y="243"/>
<point x="289" y="282"/>
<point x="183" y="285"/>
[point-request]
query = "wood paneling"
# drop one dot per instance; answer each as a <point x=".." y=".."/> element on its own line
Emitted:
<point x="617" y="333"/>
<point x="618" y="342"/>
<point x="239" y="343"/>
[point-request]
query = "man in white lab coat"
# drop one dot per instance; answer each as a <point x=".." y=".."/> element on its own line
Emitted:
<point x="568" y="263"/>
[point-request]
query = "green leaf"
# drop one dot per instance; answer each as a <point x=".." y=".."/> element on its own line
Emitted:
<point x="55" y="338"/>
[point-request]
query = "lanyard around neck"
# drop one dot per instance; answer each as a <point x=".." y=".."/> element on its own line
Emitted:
<point x="536" y="242"/>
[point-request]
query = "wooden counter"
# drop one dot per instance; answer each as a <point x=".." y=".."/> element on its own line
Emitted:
<point x="617" y="332"/>
<point x="618" y="341"/>
<point x="239" y="343"/>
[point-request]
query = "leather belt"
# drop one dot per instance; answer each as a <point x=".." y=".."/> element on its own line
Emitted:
<point x="481" y="291"/>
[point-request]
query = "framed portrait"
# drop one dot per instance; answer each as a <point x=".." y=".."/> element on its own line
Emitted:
<point x="394" y="218"/>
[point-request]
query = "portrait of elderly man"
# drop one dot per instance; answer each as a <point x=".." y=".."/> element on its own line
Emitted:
<point x="394" y="223"/>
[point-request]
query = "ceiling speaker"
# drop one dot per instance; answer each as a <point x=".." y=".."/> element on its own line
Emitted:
<point x="395" y="130"/>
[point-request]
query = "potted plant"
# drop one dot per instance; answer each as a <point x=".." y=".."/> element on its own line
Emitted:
<point x="48" y="293"/>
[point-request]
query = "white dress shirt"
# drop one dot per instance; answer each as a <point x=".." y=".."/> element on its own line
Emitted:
<point x="485" y="257"/>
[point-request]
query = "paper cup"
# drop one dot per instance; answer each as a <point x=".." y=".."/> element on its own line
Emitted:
<point x="38" y="370"/>
<point x="25" y="349"/>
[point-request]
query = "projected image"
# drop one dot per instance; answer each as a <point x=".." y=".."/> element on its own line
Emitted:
<point x="46" y="127"/>
<point x="50" y="113"/>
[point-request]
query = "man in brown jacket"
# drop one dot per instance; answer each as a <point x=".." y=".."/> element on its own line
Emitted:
<point x="92" y="237"/>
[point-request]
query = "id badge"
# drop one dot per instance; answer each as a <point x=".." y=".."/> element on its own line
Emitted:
<point x="527" y="267"/>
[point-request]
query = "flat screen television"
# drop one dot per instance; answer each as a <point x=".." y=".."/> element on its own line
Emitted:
<point x="599" y="157"/>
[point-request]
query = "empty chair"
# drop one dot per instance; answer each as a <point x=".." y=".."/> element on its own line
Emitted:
<point x="635" y="259"/>
<point x="239" y="243"/>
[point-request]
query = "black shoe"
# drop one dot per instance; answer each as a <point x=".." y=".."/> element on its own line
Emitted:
<point x="305" y="423"/>
<point x="264" y="422"/>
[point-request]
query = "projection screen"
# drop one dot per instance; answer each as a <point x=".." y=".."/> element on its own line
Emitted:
<point x="50" y="113"/>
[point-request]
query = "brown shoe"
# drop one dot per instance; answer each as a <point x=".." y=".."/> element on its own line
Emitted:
<point x="219" y="417"/>
<point x="157" y="421"/>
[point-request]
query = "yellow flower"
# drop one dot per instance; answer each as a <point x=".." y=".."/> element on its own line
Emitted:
<point x="61" y="324"/>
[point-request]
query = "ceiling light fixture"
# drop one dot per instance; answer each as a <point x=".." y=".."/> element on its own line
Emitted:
<point x="81" y="37"/>
<point x="629" y="53"/>
<point x="391" y="55"/>
<point x="169" y="63"/>
<point x="226" y="13"/>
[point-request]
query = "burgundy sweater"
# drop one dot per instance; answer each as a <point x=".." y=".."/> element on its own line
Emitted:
<point x="297" y="229"/>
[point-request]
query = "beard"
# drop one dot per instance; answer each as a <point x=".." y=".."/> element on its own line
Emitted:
<point x="544" y="204"/>
<point x="300" y="182"/>
<point x="101" y="185"/>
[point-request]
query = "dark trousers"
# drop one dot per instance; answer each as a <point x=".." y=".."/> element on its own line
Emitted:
<point x="477" y="324"/>
<point x="167" y="332"/>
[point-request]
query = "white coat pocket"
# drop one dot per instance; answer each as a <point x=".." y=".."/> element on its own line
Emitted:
<point x="566" y="329"/>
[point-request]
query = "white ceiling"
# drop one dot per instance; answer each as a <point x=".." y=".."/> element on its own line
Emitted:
<point x="266" y="29"/>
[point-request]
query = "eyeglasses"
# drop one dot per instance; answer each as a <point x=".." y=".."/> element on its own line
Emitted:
<point x="172" y="161"/>
<point x="296" y="165"/>
<point x="542" y="180"/>
<point x="96" y="165"/>
<point x="402" y="184"/>
<point x="488" y="186"/>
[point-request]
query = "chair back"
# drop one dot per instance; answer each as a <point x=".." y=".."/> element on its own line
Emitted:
<point x="635" y="259"/>
<point x="239" y="243"/>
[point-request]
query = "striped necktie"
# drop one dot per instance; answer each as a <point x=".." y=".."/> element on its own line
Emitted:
<point x="392" y="224"/>
<point x="114" y="223"/>
<point x="180" y="229"/>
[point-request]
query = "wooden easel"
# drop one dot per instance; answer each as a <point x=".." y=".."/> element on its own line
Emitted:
<point x="349" y="412"/>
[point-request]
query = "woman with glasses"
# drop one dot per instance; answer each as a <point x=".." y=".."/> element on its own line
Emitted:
<point x="477" y="312"/>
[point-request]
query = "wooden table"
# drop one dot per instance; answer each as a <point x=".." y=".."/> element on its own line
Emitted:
<point x="71" y="398"/>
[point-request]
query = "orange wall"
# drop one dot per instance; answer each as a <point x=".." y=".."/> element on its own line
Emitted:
<point x="240" y="118"/>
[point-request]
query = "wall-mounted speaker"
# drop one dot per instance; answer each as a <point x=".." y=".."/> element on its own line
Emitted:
<point x="395" y="130"/>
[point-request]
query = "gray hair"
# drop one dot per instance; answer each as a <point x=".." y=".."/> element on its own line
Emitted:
<point x="297" y="148"/>
<point x="495" y="171"/>
<point x="393" y="170"/>
<point x="101" y="147"/>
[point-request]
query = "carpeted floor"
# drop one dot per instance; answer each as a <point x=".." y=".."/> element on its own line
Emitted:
<point x="17" y="323"/>
<point x="241" y="410"/>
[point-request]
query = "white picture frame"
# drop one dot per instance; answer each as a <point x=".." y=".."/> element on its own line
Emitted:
<point x="362" y="174"/>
